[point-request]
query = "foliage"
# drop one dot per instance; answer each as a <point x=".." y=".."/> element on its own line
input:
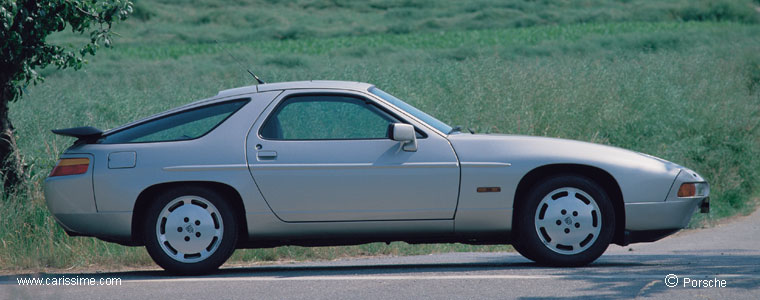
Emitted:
<point x="25" y="24"/>
<point x="24" y="27"/>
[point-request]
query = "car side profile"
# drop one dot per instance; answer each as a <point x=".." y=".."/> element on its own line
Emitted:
<point x="317" y="163"/>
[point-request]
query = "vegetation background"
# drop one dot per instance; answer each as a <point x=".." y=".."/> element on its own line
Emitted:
<point x="676" y="79"/>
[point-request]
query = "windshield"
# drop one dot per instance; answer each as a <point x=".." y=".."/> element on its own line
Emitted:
<point x="430" y="120"/>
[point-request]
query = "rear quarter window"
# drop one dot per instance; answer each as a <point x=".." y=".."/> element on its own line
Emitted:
<point x="184" y="125"/>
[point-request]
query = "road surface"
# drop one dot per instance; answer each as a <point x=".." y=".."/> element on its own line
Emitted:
<point x="722" y="262"/>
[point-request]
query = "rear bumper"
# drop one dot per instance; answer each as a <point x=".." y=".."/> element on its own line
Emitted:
<point x="112" y="227"/>
<point x="71" y="201"/>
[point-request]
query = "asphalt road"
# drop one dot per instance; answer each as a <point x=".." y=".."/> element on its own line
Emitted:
<point x="727" y="255"/>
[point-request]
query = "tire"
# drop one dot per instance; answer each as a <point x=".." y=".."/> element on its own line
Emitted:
<point x="190" y="230"/>
<point x="566" y="221"/>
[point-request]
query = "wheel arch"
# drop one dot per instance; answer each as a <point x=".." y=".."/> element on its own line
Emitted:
<point x="140" y="209"/>
<point x="602" y="177"/>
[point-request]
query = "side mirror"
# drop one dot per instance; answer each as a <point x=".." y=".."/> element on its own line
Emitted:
<point x="405" y="134"/>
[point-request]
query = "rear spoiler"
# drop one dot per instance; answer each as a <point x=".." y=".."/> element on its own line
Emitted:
<point x="86" y="134"/>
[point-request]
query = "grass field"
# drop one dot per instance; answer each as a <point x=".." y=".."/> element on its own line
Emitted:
<point x="675" y="79"/>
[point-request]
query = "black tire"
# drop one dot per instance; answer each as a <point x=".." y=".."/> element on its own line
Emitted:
<point x="565" y="221"/>
<point x="198" y="228"/>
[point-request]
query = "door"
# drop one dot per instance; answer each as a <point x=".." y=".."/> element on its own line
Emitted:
<point x="327" y="156"/>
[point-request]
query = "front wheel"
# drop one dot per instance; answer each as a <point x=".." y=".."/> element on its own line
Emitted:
<point x="566" y="220"/>
<point x="190" y="230"/>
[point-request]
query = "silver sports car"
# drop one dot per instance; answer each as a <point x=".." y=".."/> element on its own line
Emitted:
<point x="318" y="163"/>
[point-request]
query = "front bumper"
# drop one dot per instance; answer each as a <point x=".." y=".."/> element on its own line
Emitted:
<point x="673" y="214"/>
<point x="651" y="221"/>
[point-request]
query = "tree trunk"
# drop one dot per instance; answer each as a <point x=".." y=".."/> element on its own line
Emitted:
<point x="11" y="166"/>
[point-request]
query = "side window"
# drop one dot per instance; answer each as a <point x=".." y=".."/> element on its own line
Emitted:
<point x="185" y="125"/>
<point x="326" y="117"/>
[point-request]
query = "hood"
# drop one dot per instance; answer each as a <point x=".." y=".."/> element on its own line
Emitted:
<point x="533" y="150"/>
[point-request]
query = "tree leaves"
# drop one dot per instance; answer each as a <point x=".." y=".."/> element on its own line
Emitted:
<point x="25" y="25"/>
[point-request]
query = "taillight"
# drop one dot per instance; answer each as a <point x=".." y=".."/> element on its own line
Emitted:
<point x="70" y="166"/>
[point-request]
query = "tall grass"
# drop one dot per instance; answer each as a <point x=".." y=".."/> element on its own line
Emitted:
<point x="171" y="22"/>
<point x="31" y="240"/>
<point x="601" y="71"/>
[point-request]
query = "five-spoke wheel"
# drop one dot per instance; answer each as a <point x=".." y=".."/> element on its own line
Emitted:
<point x="568" y="220"/>
<point x="190" y="230"/>
<point x="565" y="220"/>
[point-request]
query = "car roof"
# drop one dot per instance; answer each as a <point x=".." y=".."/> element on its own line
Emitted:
<point x="251" y="89"/>
<point x="289" y="85"/>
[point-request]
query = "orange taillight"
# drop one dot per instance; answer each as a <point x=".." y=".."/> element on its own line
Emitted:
<point x="687" y="190"/>
<point x="70" y="166"/>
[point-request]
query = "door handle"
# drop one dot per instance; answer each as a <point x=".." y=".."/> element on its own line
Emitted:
<point x="266" y="154"/>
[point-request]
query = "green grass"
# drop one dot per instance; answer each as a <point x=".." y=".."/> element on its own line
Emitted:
<point x="360" y="44"/>
<point x="676" y="79"/>
<point x="173" y="21"/>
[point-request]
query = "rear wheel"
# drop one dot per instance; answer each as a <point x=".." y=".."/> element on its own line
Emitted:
<point x="190" y="230"/>
<point x="566" y="220"/>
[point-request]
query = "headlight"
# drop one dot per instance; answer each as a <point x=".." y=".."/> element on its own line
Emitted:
<point x="693" y="190"/>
